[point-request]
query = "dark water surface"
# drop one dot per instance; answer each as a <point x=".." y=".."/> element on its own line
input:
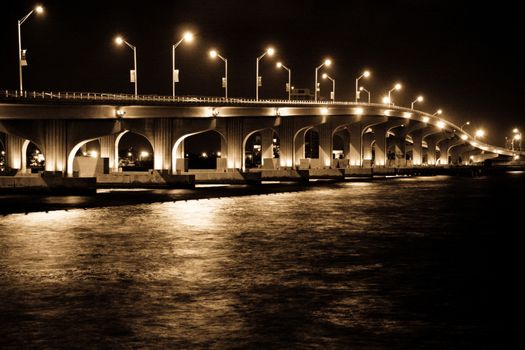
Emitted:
<point x="402" y="264"/>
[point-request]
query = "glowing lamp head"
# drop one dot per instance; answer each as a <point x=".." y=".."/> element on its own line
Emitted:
<point x="480" y="133"/>
<point x="119" y="40"/>
<point x="398" y="86"/>
<point x="279" y="64"/>
<point x="188" y="37"/>
<point x="39" y="9"/>
<point x="327" y="62"/>
<point x="270" y="51"/>
<point x="441" y="124"/>
<point x="324" y="75"/>
<point x="439" y="111"/>
<point x="464" y="137"/>
<point x="213" y="53"/>
<point x="517" y="137"/>
<point x="425" y="119"/>
<point x="366" y="73"/>
<point x="324" y="111"/>
<point x="144" y="154"/>
<point x="386" y="100"/>
<point x="515" y="130"/>
<point x="361" y="88"/>
<point x="420" y="99"/>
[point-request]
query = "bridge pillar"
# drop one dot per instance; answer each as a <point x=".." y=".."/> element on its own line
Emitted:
<point x="13" y="145"/>
<point x="286" y="146"/>
<point x="345" y="136"/>
<point x="356" y="143"/>
<point x="431" y="151"/>
<point x="107" y="150"/>
<point x="299" y="146"/>
<point x="380" y="132"/>
<point x="325" y="145"/>
<point x="162" y="145"/>
<point x="266" y="144"/>
<point x="234" y="140"/>
<point x="398" y="147"/>
<point x="417" y="147"/>
<point x="368" y="138"/>
<point x="55" y="145"/>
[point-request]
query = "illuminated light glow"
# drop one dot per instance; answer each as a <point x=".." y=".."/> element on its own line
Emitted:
<point x="328" y="62"/>
<point x="219" y="153"/>
<point x="361" y="88"/>
<point x="439" y="111"/>
<point x="84" y="154"/>
<point x="129" y="154"/>
<point x="398" y="86"/>
<point x="425" y="119"/>
<point x="407" y="115"/>
<point x="324" y="75"/>
<point x="441" y="124"/>
<point x="39" y="9"/>
<point x="366" y="73"/>
<point x="213" y="53"/>
<point x="204" y="155"/>
<point x="386" y="100"/>
<point x="480" y="133"/>
<point x="270" y="51"/>
<point x="188" y="37"/>
<point x="324" y="111"/>
<point x="471" y="157"/>
<point x="516" y="157"/>
<point x="517" y="137"/>
<point x="358" y="111"/>
<point x="420" y="99"/>
<point x="279" y="64"/>
<point x="475" y="144"/>
<point x="144" y="154"/>
<point x="387" y="112"/>
<point x="119" y="40"/>
<point x="515" y="130"/>
<point x="464" y="137"/>
<point x="93" y="154"/>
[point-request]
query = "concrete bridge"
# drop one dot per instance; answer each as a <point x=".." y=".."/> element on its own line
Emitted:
<point x="61" y="123"/>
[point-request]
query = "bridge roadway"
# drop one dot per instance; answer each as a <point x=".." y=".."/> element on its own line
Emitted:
<point x="61" y="123"/>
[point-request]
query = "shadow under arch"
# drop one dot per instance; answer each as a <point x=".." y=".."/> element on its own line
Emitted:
<point x="150" y="155"/>
<point x="247" y="138"/>
<point x="178" y="149"/>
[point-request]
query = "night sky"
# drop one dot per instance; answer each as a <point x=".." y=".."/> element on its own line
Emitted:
<point x="464" y="57"/>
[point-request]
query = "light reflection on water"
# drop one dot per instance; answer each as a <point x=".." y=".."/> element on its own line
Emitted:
<point x="358" y="264"/>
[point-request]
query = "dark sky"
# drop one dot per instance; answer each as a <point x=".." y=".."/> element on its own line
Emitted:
<point x="463" y="56"/>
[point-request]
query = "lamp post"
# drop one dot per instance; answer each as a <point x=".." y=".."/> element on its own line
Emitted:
<point x="133" y="76"/>
<point x="396" y="87"/>
<point x="438" y="112"/>
<point x="21" y="53"/>
<point x="365" y="74"/>
<point x="187" y="37"/>
<point x="289" y="86"/>
<point x="365" y="90"/>
<point x="327" y="63"/>
<point x="332" y="94"/>
<point x="258" y="80"/>
<point x="418" y="99"/>
<point x="214" y="54"/>
<point x="462" y="126"/>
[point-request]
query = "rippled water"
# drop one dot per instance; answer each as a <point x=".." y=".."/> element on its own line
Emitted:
<point x="409" y="263"/>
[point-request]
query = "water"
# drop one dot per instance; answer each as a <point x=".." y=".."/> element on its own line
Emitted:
<point x="410" y="263"/>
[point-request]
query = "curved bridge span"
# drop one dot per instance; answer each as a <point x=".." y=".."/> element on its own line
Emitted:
<point x="60" y="123"/>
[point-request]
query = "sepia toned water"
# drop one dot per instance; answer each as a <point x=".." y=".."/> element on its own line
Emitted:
<point x="412" y="263"/>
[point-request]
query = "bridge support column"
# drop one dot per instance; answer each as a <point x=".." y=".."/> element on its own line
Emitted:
<point x="299" y="144"/>
<point x="286" y="134"/>
<point x="417" y="147"/>
<point x="356" y="143"/>
<point x="162" y="145"/>
<point x="431" y="151"/>
<point x="325" y="145"/>
<point x="107" y="150"/>
<point x="234" y="139"/>
<point x="399" y="148"/>
<point x="368" y="138"/>
<point x="380" y="146"/>
<point x="13" y="145"/>
<point x="266" y="144"/>
<point x="55" y="145"/>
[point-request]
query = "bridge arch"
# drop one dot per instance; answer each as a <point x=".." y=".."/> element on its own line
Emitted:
<point x="264" y="149"/>
<point x="145" y="155"/>
<point x="178" y="150"/>
<point x="73" y="153"/>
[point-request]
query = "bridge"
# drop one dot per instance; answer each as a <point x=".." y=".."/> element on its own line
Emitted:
<point x="61" y="123"/>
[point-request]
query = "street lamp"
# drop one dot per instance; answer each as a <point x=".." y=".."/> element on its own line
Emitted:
<point x="365" y="74"/>
<point x="133" y="74"/>
<point x="22" y="61"/>
<point x="187" y="37"/>
<point x="215" y="54"/>
<point x="462" y="126"/>
<point x="258" y="80"/>
<point x="332" y="94"/>
<point x="418" y="99"/>
<point x="365" y="90"/>
<point x="439" y="111"/>
<point x="396" y="87"/>
<point x="479" y="133"/>
<point x="289" y="85"/>
<point x="327" y="63"/>
<point x="516" y="137"/>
